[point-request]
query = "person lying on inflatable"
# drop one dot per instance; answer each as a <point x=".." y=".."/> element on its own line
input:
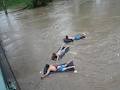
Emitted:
<point x="68" y="39"/>
<point x="60" y="53"/>
<point x="58" y="68"/>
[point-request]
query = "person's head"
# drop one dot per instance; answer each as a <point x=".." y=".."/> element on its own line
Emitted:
<point x="53" y="56"/>
<point x="46" y="68"/>
<point x="66" y="36"/>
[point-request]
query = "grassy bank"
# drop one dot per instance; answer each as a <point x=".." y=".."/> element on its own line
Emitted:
<point x="16" y="3"/>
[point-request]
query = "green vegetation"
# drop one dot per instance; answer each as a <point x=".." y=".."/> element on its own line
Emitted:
<point x="24" y="3"/>
<point x="16" y="3"/>
<point x="3" y="6"/>
<point x="37" y="3"/>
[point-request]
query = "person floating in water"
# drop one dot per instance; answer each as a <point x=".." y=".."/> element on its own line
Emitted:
<point x="68" y="39"/>
<point x="58" y="68"/>
<point x="60" y="53"/>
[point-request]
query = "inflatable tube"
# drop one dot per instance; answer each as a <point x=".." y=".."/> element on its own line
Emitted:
<point x="45" y="70"/>
<point x="67" y="40"/>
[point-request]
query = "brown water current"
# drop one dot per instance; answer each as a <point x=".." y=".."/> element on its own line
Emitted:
<point x="30" y="36"/>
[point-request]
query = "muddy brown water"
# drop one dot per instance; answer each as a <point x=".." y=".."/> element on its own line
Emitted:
<point x="30" y="36"/>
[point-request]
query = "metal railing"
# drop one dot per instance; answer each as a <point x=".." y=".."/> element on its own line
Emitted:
<point x="8" y="75"/>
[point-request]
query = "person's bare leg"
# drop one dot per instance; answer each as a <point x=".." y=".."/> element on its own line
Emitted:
<point x="68" y="63"/>
<point x="69" y="67"/>
<point x="66" y="47"/>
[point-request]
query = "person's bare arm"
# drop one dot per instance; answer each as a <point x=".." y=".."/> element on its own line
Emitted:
<point x="43" y="76"/>
<point x="69" y="67"/>
<point x="66" y="47"/>
<point x="57" y="57"/>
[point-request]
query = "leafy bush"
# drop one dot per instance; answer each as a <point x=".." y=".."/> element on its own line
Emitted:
<point x="24" y="3"/>
<point x="37" y="3"/>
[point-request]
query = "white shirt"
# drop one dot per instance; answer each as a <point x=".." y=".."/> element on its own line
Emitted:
<point x="71" y="38"/>
<point x="60" y="52"/>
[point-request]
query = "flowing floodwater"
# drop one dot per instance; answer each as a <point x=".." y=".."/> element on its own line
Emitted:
<point x="30" y="36"/>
